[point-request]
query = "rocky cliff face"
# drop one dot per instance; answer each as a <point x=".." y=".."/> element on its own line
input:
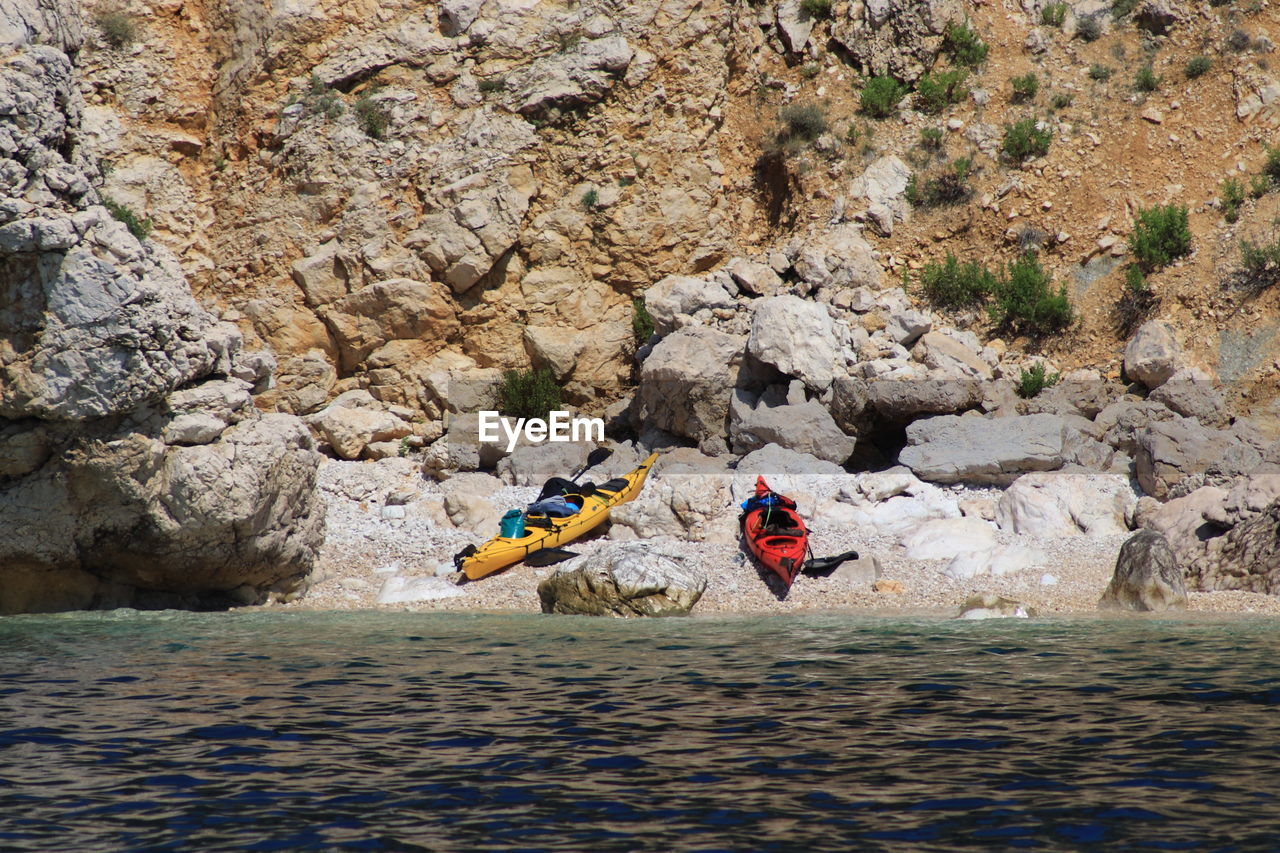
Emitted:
<point x="134" y="467"/>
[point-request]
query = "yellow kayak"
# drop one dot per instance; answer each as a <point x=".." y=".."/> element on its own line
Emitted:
<point x="547" y="532"/>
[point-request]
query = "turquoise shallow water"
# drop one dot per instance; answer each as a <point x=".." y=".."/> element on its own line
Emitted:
<point x="261" y="731"/>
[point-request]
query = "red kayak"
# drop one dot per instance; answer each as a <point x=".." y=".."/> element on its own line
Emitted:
<point x="774" y="532"/>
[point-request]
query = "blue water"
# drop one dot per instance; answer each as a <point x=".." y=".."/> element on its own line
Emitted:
<point x="263" y="731"/>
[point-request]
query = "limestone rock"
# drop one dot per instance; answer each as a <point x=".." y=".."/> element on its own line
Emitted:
<point x="1147" y="576"/>
<point x="685" y="385"/>
<point x="796" y="337"/>
<point x="945" y="353"/>
<point x="1060" y="503"/>
<point x="406" y="590"/>
<point x="1153" y="354"/>
<point x="624" y="579"/>
<point x="988" y="605"/>
<point x="884" y="183"/>
<point x="805" y="428"/>
<point x="946" y="537"/>
<point x="896" y="37"/>
<point x="755" y="278"/>
<point x="674" y="299"/>
<point x="1169" y="452"/>
<point x="996" y="451"/>
<point x="554" y="348"/>
<point x="348" y="431"/>
<point x="780" y="460"/>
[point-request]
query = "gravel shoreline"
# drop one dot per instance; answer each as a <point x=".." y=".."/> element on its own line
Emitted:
<point x="364" y="550"/>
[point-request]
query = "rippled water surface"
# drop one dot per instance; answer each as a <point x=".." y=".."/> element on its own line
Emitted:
<point x="447" y="732"/>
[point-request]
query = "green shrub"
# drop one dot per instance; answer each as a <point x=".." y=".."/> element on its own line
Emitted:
<point x="1024" y="302"/>
<point x="1259" y="185"/>
<point x="1272" y="167"/>
<point x="140" y="228"/>
<point x="1053" y="14"/>
<point x="1061" y="101"/>
<point x="1198" y="66"/>
<point x="1089" y="28"/>
<point x="590" y="199"/>
<point x="1025" y="139"/>
<point x="117" y="27"/>
<point x="1032" y="382"/>
<point x="319" y="99"/>
<point x="951" y="186"/>
<point x="1146" y="79"/>
<point x="1099" y="72"/>
<point x="931" y="138"/>
<point x="810" y="70"/>
<point x="1260" y="263"/>
<point x="1025" y="87"/>
<point x="962" y="44"/>
<point x="528" y="393"/>
<point x="1120" y="8"/>
<point x="802" y="122"/>
<point x="1136" y="302"/>
<point x="816" y="8"/>
<point x="936" y="92"/>
<point x="492" y="84"/>
<point x="641" y="321"/>
<point x="952" y="284"/>
<point x="1238" y="41"/>
<point x="880" y="97"/>
<point x="372" y="117"/>
<point x="1160" y="235"/>
<point x="1232" y="198"/>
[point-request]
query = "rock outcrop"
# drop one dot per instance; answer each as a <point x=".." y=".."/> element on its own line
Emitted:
<point x="629" y="579"/>
<point x="138" y="472"/>
<point x="1147" y="576"/>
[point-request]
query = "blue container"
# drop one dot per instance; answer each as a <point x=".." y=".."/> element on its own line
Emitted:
<point x="512" y="524"/>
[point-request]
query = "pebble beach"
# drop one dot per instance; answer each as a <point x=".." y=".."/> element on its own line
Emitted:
<point x="370" y="551"/>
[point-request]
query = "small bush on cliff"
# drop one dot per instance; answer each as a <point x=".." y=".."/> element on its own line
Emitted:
<point x="952" y="284"/>
<point x="817" y="9"/>
<point x="1198" y="66"/>
<point x="1025" y="139"/>
<point x="1232" y="198"/>
<point x="951" y="186"/>
<point x="528" y="393"/>
<point x="802" y="122"/>
<point x="1136" y="303"/>
<point x="1160" y="236"/>
<point x="641" y="321"/>
<point x="880" y="97"/>
<point x="117" y="27"/>
<point x="1271" y="168"/>
<point x="1024" y="302"/>
<point x="1089" y="27"/>
<point x="1032" y="382"/>
<point x="962" y="44"/>
<point x="372" y="117"/>
<point x="936" y="92"/>
<point x="1260" y="264"/>
<point x="1025" y="87"/>
<point x="1099" y="72"/>
<point x="1146" y="79"/>
<point x="137" y="226"/>
<point x="319" y="99"/>
<point x="1053" y="14"/>
<point x="1259" y="185"/>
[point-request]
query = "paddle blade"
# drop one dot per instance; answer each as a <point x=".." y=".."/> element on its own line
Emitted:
<point x="823" y="566"/>
<point x="594" y="458"/>
<point x="548" y="556"/>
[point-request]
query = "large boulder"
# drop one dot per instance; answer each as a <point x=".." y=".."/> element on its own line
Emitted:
<point x="944" y="538"/>
<point x="624" y="579"/>
<point x="685" y="385"/>
<point x="136" y="471"/>
<point x="993" y="451"/>
<point x="780" y="460"/>
<point x="675" y="299"/>
<point x="796" y="337"/>
<point x="689" y="507"/>
<point x="1153" y="354"/>
<point x="1169" y="452"/>
<point x="1147" y="576"/>
<point x="1061" y="503"/>
<point x="803" y="427"/>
